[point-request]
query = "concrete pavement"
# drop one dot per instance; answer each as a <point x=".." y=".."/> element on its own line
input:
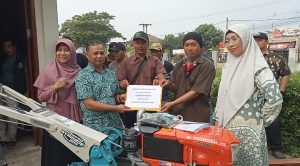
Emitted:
<point x="27" y="153"/>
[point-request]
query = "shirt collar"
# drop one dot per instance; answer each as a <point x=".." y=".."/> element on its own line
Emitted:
<point x="91" y="68"/>
<point x="266" y="53"/>
<point x="198" y="60"/>
<point x="137" y="58"/>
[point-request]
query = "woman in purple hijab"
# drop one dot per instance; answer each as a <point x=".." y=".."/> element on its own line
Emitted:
<point x="56" y="87"/>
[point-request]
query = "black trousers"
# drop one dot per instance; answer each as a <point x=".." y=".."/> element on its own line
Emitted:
<point x="2" y="159"/>
<point x="273" y="132"/>
<point x="129" y="118"/>
<point x="55" y="153"/>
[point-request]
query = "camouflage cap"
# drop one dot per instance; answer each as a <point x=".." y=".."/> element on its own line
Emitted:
<point x="156" y="46"/>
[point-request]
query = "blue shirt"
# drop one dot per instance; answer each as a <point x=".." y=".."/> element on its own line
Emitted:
<point x="102" y="87"/>
<point x="7" y="77"/>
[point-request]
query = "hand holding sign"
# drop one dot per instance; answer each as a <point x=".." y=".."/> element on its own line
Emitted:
<point x="144" y="96"/>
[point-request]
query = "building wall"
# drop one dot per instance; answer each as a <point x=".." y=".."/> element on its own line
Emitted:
<point x="47" y="29"/>
<point x="294" y="60"/>
<point x="293" y="53"/>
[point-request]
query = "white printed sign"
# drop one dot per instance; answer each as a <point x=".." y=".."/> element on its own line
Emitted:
<point x="144" y="96"/>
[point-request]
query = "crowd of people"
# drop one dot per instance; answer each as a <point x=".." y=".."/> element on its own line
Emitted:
<point x="90" y="89"/>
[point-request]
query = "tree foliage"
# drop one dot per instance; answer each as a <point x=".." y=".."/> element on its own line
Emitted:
<point x="291" y="116"/>
<point x="90" y="26"/>
<point x="171" y="42"/>
<point x="210" y="35"/>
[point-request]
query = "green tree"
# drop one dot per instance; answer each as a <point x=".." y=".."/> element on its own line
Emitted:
<point x="90" y="26"/>
<point x="171" y="42"/>
<point x="210" y="35"/>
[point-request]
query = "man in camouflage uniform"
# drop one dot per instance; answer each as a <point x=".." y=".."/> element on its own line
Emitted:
<point x="281" y="71"/>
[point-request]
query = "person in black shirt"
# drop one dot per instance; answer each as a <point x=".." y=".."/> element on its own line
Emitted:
<point x="13" y="75"/>
<point x="111" y="54"/>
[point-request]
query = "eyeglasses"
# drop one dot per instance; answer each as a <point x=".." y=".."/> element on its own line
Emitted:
<point x="233" y="41"/>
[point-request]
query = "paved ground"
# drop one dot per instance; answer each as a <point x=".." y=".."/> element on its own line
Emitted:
<point x="27" y="153"/>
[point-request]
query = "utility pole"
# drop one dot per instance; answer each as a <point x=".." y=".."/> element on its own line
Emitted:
<point x="145" y="27"/>
<point x="227" y="21"/>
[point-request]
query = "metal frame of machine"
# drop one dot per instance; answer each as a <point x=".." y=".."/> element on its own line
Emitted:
<point x="173" y="147"/>
<point x="91" y="146"/>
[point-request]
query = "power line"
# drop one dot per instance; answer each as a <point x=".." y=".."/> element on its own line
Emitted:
<point x="224" y="12"/>
<point x="278" y="21"/>
<point x="177" y="33"/>
<point x="287" y="22"/>
<point x="281" y="14"/>
<point x="282" y="22"/>
<point x="270" y="19"/>
<point x="254" y="26"/>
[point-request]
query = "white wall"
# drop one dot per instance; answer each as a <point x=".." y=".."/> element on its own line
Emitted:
<point x="293" y="60"/>
<point x="47" y="29"/>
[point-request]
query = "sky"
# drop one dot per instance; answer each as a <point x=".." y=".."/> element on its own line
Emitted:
<point x="177" y="16"/>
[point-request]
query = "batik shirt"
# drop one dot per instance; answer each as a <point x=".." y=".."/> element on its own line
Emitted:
<point x="278" y="64"/>
<point x="250" y="121"/>
<point x="102" y="87"/>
